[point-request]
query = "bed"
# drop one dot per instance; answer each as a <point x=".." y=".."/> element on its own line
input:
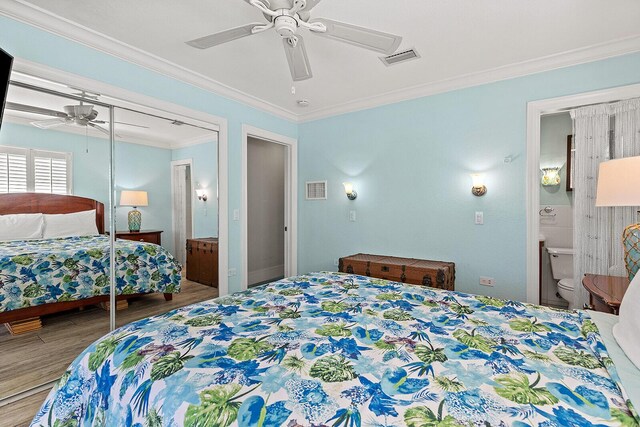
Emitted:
<point x="45" y="276"/>
<point x="332" y="349"/>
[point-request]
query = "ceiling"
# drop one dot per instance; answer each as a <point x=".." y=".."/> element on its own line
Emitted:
<point x="459" y="41"/>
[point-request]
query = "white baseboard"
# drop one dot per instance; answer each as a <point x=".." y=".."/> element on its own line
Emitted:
<point x="264" y="274"/>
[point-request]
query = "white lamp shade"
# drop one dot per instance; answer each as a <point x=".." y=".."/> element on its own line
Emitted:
<point x="134" y="198"/>
<point x="348" y="187"/>
<point x="477" y="179"/>
<point x="619" y="182"/>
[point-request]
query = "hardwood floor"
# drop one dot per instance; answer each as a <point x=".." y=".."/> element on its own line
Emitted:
<point x="36" y="358"/>
<point x="20" y="413"/>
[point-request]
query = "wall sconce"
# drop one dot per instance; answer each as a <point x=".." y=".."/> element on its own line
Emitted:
<point x="478" y="189"/>
<point x="351" y="193"/>
<point x="202" y="195"/>
<point x="551" y="176"/>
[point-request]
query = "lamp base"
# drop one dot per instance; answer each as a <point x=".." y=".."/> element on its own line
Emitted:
<point x="135" y="220"/>
<point x="631" y="241"/>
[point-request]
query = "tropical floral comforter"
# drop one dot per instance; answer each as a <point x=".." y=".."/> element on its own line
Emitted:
<point x="341" y="350"/>
<point x="35" y="272"/>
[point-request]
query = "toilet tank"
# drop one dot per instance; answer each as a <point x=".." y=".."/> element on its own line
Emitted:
<point x="561" y="262"/>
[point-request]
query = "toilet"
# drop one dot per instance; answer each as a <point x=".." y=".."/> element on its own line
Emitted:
<point x="562" y="269"/>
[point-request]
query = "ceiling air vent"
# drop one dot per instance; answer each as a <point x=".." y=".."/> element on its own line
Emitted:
<point x="316" y="190"/>
<point x="399" y="57"/>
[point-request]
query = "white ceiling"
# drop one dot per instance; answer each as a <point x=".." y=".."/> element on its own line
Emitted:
<point x="456" y="38"/>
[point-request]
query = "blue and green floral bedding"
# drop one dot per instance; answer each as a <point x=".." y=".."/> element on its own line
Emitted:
<point x="35" y="272"/>
<point x="341" y="350"/>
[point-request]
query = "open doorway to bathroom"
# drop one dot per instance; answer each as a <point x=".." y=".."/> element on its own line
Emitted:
<point x="556" y="210"/>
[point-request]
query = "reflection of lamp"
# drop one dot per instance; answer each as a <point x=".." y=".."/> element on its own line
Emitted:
<point x="551" y="176"/>
<point x="351" y="193"/>
<point x="619" y="185"/>
<point x="135" y="199"/>
<point x="478" y="188"/>
<point x="202" y="194"/>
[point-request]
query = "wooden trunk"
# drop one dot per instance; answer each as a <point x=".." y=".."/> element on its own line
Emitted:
<point x="437" y="274"/>
<point x="202" y="261"/>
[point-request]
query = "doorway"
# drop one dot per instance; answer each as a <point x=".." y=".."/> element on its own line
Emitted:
<point x="182" y="202"/>
<point x="269" y="209"/>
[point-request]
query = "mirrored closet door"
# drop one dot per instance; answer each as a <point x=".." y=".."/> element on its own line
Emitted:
<point x="166" y="178"/>
<point x="55" y="147"/>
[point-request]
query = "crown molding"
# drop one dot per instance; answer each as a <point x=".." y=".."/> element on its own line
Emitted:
<point x="47" y="21"/>
<point x="547" y="63"/>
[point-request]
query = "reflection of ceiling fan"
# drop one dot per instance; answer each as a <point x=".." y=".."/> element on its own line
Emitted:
<point x="82" y="115"/>
<point x="287" y="17"/>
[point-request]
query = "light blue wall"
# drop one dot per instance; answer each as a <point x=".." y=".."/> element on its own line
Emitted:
<point x="25" y="41"/>
<point x="205" y="173"/>
<point x="553" y="153"/>
<point x="410" y="164"/>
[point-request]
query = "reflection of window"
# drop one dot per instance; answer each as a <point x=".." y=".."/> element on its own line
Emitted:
<point x="25" y="170"/>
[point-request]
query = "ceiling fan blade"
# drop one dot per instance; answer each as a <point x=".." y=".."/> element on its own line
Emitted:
<point x="35" y="110"/>
<point x="49" y="123"/>
<point x="222" y="37"/>
<point x="99" y="128"/>
<point x="298" y="59"/>
<point x="359" y="36"/>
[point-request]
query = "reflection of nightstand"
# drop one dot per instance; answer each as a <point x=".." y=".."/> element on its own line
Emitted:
<point x="151" y="236"/>
<point x="606" y="292"/>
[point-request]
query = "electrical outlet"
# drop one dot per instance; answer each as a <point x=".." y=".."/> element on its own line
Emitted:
<point x="487" y="281"/>
<point x="232" y="272"/>
<point x="352" y="216"/>
<point x="479" y="218"/>
<point x="236" y="214"/>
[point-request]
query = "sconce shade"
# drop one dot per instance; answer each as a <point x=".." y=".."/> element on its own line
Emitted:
<point x="348" y="189"/>
<point x="550" y="176"/>
<point x="134" y="198"/>
<point x="619" y="185"/>
<point x="478" y="188"/>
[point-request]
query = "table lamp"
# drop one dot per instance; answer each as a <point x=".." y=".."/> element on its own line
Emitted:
<point x="619" y="185"/>
<point x="135" y="199"/>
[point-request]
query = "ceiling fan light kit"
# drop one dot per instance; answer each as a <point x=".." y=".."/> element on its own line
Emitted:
<point x="287" y="17"/>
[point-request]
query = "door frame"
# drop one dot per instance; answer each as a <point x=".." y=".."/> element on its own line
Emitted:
<point x="536" y="109"/>
<point x="290" y="200"/>
<point x="175" y="163"/>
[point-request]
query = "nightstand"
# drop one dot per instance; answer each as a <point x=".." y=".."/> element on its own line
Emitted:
<point x="150" y="236"/>
<point x="605" y="292"/>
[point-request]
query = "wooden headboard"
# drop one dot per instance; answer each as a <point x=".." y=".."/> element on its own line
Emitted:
<point x="20" y="203"/>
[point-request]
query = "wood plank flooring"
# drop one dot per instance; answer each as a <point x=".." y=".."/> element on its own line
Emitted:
<point x="20" y="413"/>
<point x="36" y="358"/>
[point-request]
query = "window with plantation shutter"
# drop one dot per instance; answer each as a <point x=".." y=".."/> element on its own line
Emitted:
<point x="25" y="170"/>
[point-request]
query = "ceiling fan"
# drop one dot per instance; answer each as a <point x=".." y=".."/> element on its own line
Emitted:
<point x="83" y="115"/>
<point x="287" y="17"/>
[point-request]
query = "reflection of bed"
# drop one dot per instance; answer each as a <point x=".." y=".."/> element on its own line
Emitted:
<point x="345" y="350"/>
<point x="45" y="276"/>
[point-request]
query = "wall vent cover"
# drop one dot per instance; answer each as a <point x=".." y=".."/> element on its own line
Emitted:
<point x="399" y="57"/>
<point x="316" y="190"/>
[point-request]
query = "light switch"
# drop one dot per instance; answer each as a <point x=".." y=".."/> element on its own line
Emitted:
<point x="352" y="216"/>
<point x="236" y="214"/>
<point x="479" y="218"/>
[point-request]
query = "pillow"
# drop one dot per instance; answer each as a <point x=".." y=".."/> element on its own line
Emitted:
<point x="21" y="226"/>
<point x="626" y="330"/>
<point x="71" y="224"/>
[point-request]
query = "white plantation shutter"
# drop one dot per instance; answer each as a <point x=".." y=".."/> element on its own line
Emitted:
<point x="24" y="170"/>
<point x="50" y="172"/>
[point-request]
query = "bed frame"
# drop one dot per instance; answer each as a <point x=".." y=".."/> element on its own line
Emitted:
<point x="28" y="319"/>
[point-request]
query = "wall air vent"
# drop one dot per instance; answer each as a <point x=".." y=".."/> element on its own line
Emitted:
<point x="399" y="57"/>
<point x="316" y="190"/>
